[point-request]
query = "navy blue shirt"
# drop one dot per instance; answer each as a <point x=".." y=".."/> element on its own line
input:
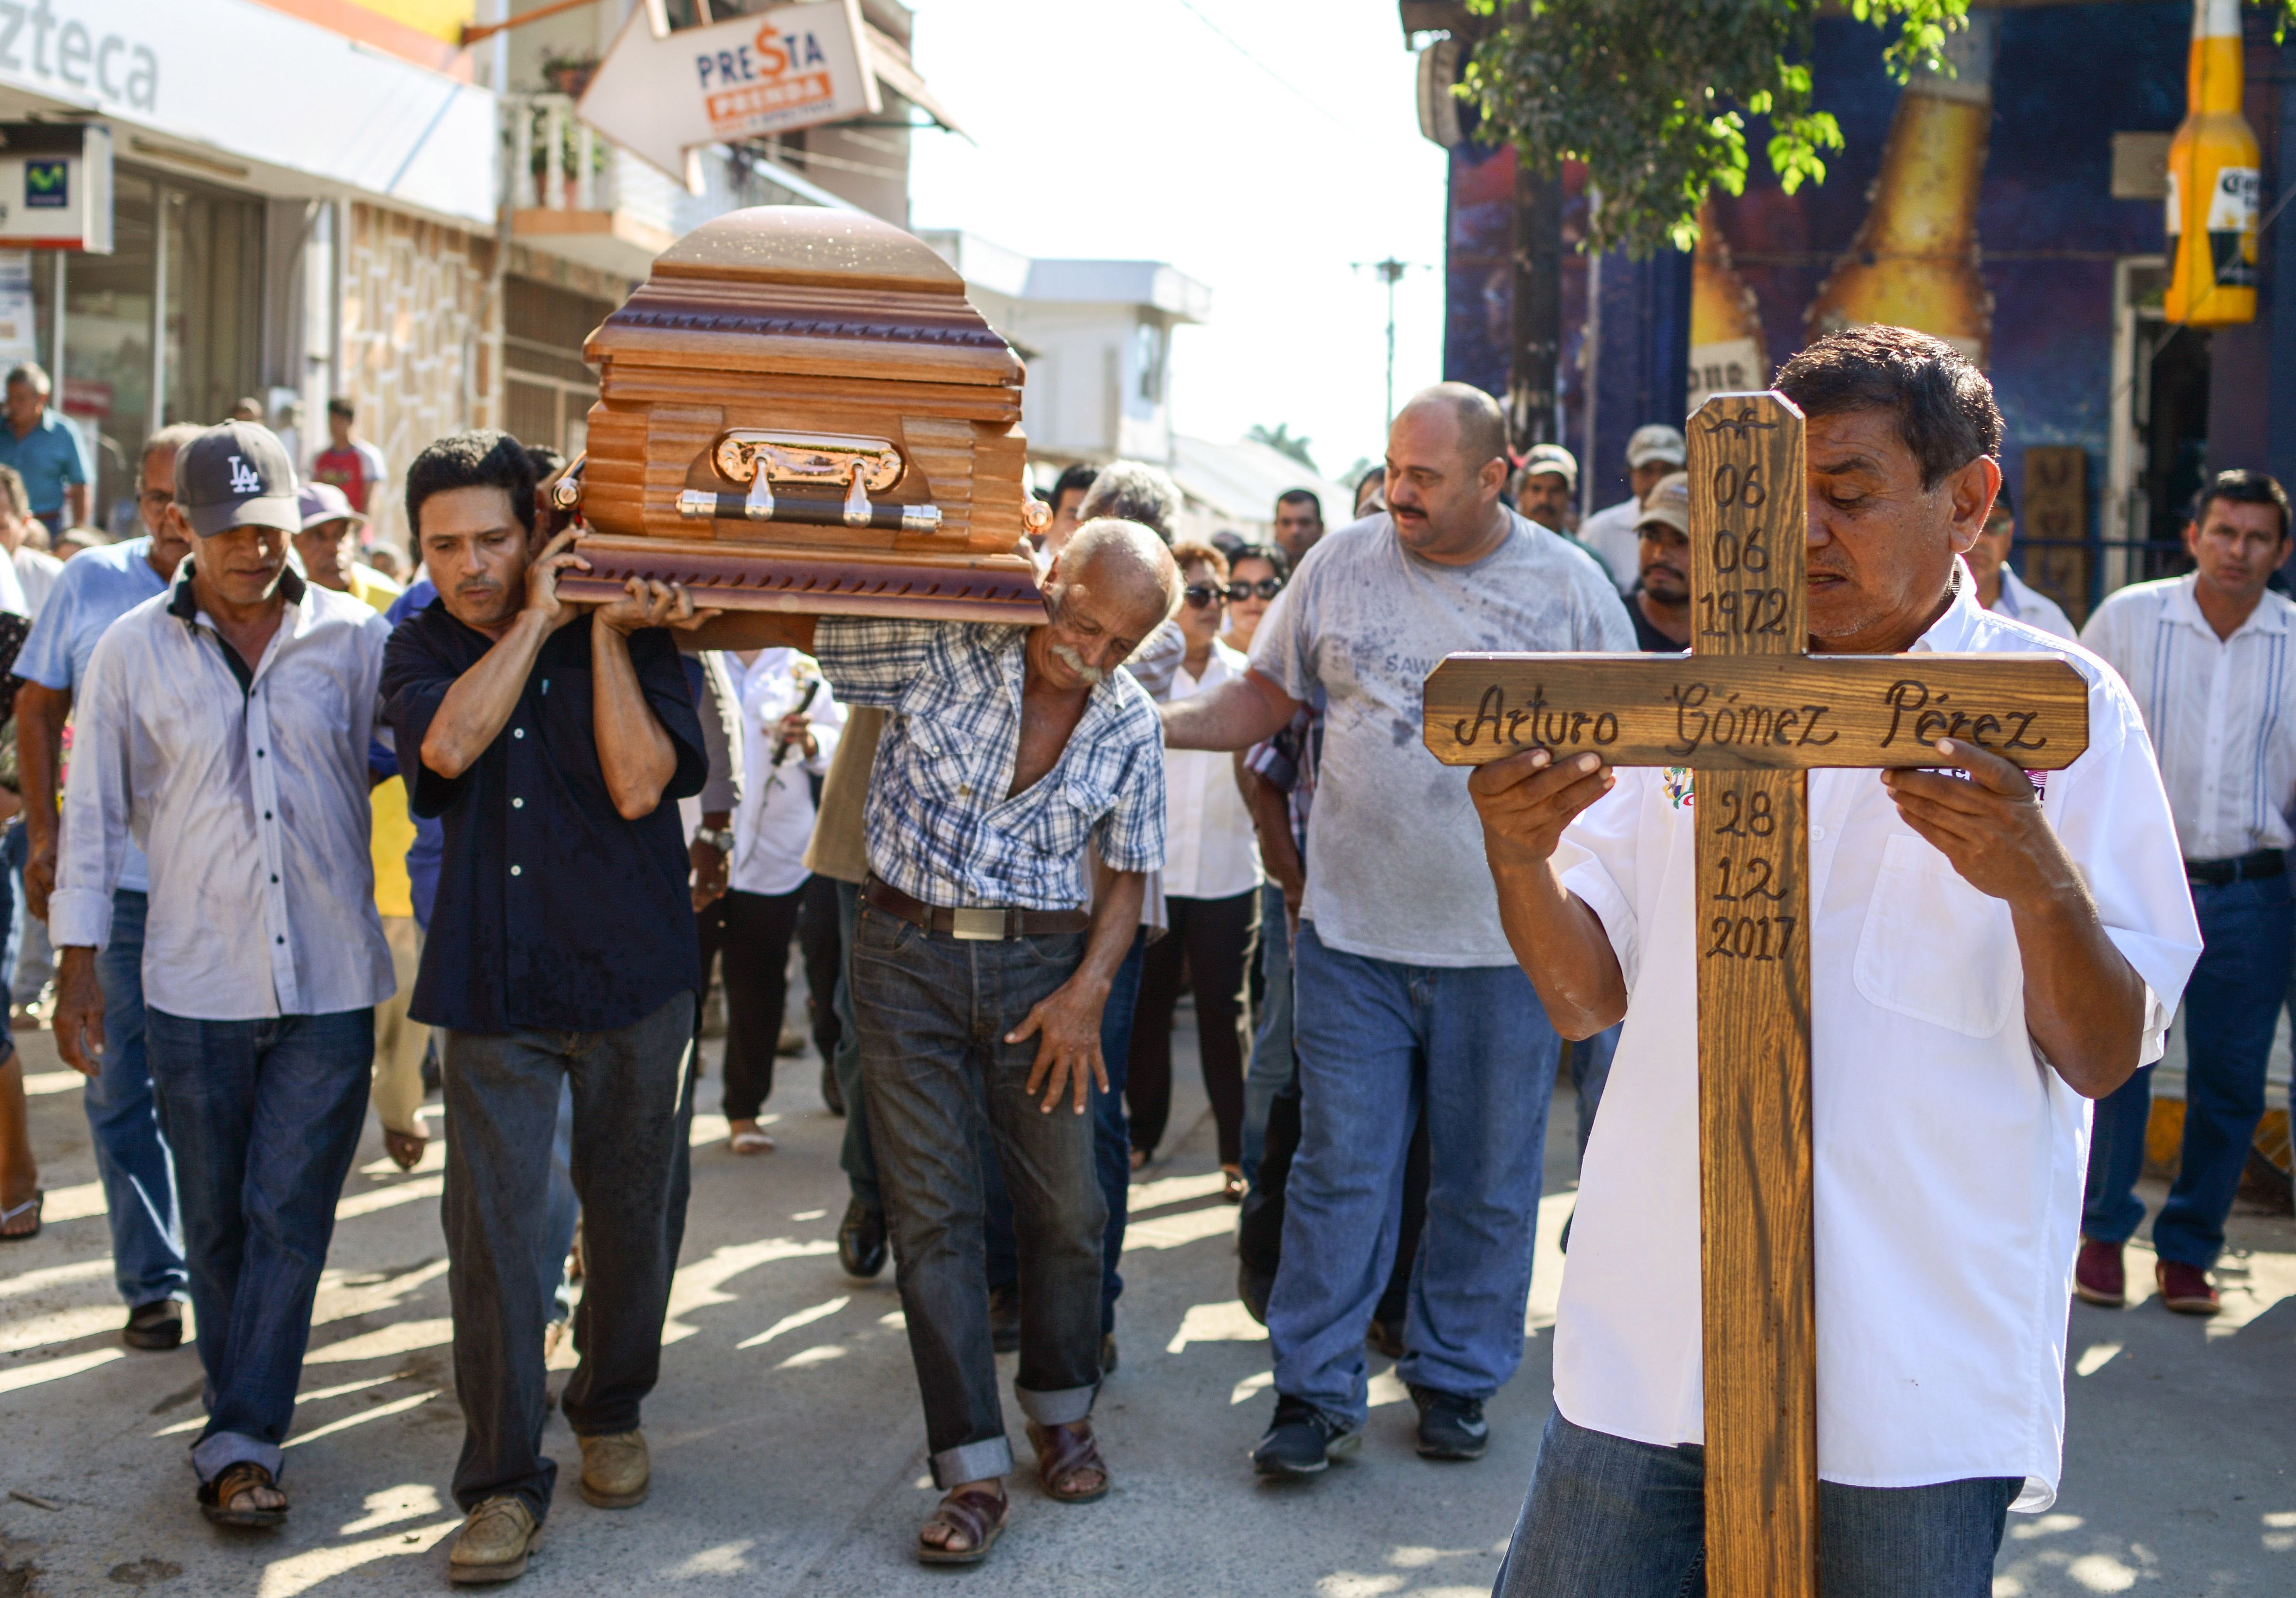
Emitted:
<point x="552" y="911"/>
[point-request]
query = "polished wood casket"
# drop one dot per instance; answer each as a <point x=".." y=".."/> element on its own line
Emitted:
<point x="800" y="411"/>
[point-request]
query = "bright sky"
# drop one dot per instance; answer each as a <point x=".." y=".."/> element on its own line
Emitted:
<point x="1263" y="166"/>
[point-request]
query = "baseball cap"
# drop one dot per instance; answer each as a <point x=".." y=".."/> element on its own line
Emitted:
<point x="237" y="474"/>
<point x="1552" y="458"/>
<point x="1669" y="503"/>
<point x="1657" y="441"/>
<point x="321" y="502"/>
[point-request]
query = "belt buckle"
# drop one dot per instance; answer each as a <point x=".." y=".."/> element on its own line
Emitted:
<point x="977" y="925"/>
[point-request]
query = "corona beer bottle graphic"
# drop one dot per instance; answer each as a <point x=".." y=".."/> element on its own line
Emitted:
<point x="1914" y="262"/>
<point x="2212" y="166"/>
<point x="1728" y="352"/>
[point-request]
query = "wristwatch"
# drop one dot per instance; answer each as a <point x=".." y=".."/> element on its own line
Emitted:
<point x="720" y="838"/>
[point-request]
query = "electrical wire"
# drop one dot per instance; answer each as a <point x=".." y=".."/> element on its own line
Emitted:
<point x="1282" y="82"/>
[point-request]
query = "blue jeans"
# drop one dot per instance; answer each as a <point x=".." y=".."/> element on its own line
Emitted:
<point x="1111" y="1147"/>
<point x="933" y="1011"/>
<point x="1381" y="1044"/>
<point x="265" y="1117"/>
<point x="126" y="1124"/>
<point x="1590" y="1070"/>
<point x="1269" y="1072"/>
<point x="2231" y="1004"/>
<point x="1608" y="1518"/>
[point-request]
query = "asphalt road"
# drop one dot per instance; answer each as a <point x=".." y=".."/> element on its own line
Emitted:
<point x="788" y="1445"/>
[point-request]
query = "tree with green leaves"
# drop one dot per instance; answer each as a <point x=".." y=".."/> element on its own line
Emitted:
<point x="1281" y="439"/>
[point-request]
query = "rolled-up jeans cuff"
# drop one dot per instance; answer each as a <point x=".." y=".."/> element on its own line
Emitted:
<point x="975" y="1462"/>
<point x="211" y="1456"/>
<point x="1065" y="1408"/>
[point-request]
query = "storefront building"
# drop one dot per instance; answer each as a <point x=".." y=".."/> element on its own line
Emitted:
<point x="298" y="210"/>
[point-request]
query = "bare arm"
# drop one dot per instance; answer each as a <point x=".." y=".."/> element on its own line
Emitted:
<point x="40" y="716"/>
<point x="635" y="754"/>
<point x="1271" y="817"/>
<point x="2084" y="1001"/>
<point x="479" y="706"/>
<point x="1240" y="712"/>
<point x="1525" y="801"/>
<point x="75" y="499"/>
<point x="1068" y="1019"/>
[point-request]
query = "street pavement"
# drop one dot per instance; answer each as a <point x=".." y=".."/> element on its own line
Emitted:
<point x="788" y="1447"/>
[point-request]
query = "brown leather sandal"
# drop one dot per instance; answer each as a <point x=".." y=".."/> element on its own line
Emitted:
<point x="215" y="1497"/>
<point x="974" y="1513"/>
<point x="1064" y="1453"/>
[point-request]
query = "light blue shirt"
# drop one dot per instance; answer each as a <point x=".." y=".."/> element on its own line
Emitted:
<point x="96" y="589"/>
<point x="47" y="458"/>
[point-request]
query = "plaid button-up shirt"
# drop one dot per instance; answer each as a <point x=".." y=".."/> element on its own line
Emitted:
<point x="940" y="826"/>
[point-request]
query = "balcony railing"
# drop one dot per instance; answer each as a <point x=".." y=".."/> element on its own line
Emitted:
<point x="559" y="162"/>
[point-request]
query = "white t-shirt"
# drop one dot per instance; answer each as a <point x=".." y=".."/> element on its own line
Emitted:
<point x="1948" y="1159"/>
<point x="1395" y="856"/>
<point x="1610" y="532"/>
<point x="774" y="819"/>
<point x="1210" y="850"/>
<point x="36" y="573"/>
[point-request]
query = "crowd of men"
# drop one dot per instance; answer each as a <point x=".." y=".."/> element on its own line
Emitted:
<point x="1008" y="849"/>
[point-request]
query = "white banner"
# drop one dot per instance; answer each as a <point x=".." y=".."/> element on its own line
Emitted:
<point x="239" y="77"/>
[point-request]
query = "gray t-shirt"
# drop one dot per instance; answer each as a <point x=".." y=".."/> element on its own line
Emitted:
<point x="1395" y="853"/>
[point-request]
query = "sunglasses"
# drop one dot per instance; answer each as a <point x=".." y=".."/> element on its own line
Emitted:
<point x="1266" y="588"/>
<point x="1200" y="594"/>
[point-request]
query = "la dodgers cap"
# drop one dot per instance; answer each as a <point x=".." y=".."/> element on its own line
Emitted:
<point x="237" y="475"/>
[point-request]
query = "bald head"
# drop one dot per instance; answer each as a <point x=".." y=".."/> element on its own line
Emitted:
<point x="1478" y="424"/>
<point x="1125" y="562"/>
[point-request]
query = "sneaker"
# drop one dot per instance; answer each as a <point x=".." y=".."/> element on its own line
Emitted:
<point x="494" y="1543"/>
<point x="2186" y="1289"/>
<point x="861" y="1241"/>
<point x="1302" y="1440"/>
<point x="1450" y="1427"/>
<point x="1004" y="1319"/>
<point x="2098" y="1277"/>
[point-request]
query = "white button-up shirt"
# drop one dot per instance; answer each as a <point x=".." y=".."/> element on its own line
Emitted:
<point x="775" y="821"/>
<point x="2221" y="712"/>
<point x="251" y="806"/>
<point x="1210" y="850"/>
<point x="2025" y="602"/>
<point x="1948" y="1159"/>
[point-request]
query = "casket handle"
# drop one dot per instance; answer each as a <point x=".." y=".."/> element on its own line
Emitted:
<point x="760" y="504"/>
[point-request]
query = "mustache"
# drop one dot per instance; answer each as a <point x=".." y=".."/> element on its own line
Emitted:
<point x="1074" y="662"/>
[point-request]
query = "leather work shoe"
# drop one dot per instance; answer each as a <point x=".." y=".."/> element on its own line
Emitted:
<point x="615" y="1469"/>
<point x="2098" y="1277"/>
<point x="158" y="1325"/>
<point x="1302" y="1440"/>
<point x="861" y="1241"/>
<point x="1450" y="1426"/>
<point x="2186" y="1289"/>
<point x="1384" y="1337"/>
<point x="494" y="1543"/>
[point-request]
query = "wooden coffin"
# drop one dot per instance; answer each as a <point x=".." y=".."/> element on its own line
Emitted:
<point x="800" y="411"/>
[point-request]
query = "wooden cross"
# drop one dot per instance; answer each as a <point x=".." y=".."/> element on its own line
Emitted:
<point x="1752" y="714"/>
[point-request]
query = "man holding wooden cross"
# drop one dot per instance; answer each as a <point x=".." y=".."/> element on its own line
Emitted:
<point x="1912" y="981"/>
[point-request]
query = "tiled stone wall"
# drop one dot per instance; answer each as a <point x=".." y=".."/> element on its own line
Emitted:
<point x="421" y="340"/>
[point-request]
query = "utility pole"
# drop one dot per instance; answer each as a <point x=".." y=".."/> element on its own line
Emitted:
<point x="1391" y="272"/>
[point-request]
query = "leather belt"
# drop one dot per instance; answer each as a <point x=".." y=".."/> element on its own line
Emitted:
<point x="983" y="923"/>
<point x="2243" y="867"/>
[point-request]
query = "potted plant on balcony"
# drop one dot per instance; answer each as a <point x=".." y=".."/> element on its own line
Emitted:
<point x="543" y="117"/>
<point x="569" y="74"/>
